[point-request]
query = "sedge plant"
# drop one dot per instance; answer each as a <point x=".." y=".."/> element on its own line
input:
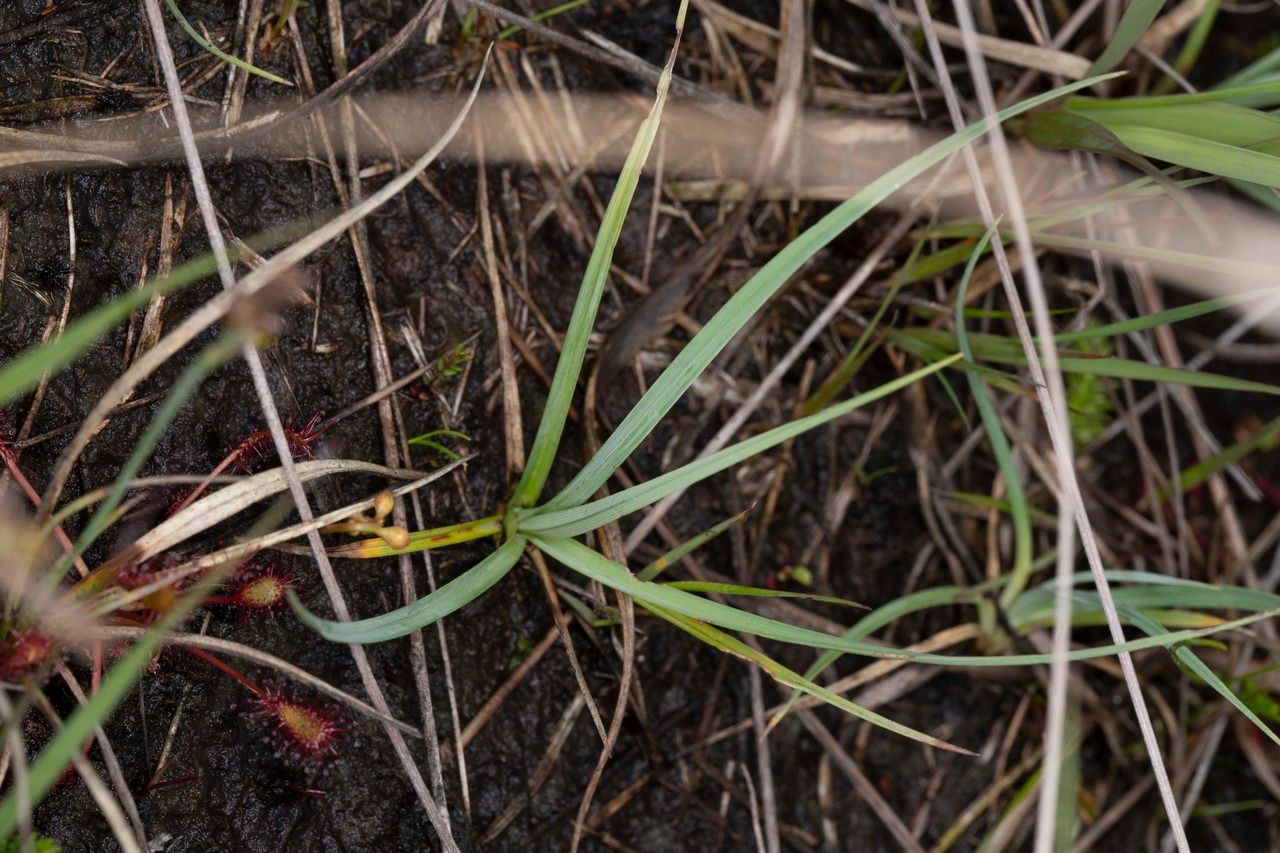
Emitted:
<point x="553" y="525"/>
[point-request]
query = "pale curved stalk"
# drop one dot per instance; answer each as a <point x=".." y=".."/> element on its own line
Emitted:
<point x="249" y="653"/>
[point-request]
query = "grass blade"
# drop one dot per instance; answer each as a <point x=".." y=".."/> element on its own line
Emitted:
<point x="209" y="360"/>
<point x="199" y="39"/>
<point x="720" y="329"/>
<point x="1188" y="659"/>
<point x="759" y="592"/>
<point x="687" y="547"/>
<point x="457" y="593"/>
<point x="727" y="643"/>
<point x="542" y="452"/>
<point x="597" y="567"/>
<point x="1132" y="24"/>
<point x="577" y="520"/>
<point x="1018" y="508"/>
<point x="22" y="373"/>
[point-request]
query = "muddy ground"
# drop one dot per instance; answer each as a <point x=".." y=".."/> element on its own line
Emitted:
<point x="223" y="786"/>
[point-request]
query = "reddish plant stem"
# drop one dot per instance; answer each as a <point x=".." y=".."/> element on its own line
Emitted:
<point x="11" y="462"/>
<point x="227" y="669"/>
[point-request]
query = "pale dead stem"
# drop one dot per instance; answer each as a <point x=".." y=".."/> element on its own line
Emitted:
<point x="389" y="417"/>
<point x="107" y="805"/>
<point x="109" y="759"/>
<point x="249" y="653"/>
<point x="1050" y="394"/>
<point x="263" y="390"/>
<point x="610" y="541"/>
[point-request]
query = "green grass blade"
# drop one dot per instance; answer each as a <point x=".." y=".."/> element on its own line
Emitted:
<point x="732" y="645"/>
<point x="597" y="567"/>
<point x="858" y="354"/>
<point x="1254" y="95"/>
<point x="1255" y="71"/>
<point x="47" y="769"/>
<point x="1196" y="474"/>
<point x="23" y="373"/>
<point x="542" y="16"/>
<point x="1018" y="507"/>
<point x="199" y="39"/>
<point x="457" y="593"/>
<point x="1188" y="659"/>
<point x="542" y="452"/>
<point x="1216" y="158"/>
<point x="925" y="599"/>
<point x="1002" y="350"/>
<point x="687" y="547"/>
<point x="209" y="360"/>
<point x="1132" y="24"/>
<point x="720" y="329"/>
<point x="759" y="592"/>
<point x="1162" y="318"/>
<point x="577" y="520"/>
<point x="1123" y="368"/>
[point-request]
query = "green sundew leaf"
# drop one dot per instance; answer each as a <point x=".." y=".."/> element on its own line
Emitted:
<point x="457" y="593"/>
<point x="223" y="55"/>
<point x="1201" y="471"/>
<point x="597" y="567"/>
<point x="687" y="547"/>
<point x="577" y="520"/>
<point x="720" y="329"/>
<point x="727" y="643"/>
<point x="546" y="442"/>
<point x="736" y="589"/>
<point x="1188" y="659"/>
<point x="209" y="360"/>
<point x="1137" y="17"/>
<point x="21" y="374"/>
<point x="1216" y="158"/>
<point x="1019" y="510"/>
